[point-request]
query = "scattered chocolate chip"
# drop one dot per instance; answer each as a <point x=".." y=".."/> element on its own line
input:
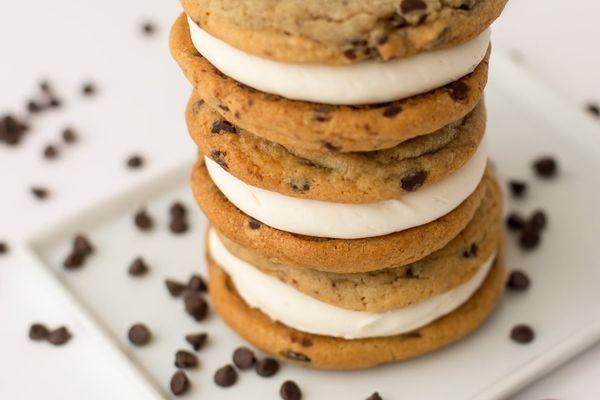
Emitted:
<point x="517" y="281"/>
<point x="222" y="126"/>
<point x="74" y="261"/>
<point x="225" y="376"/>
<point x="185" y="359"/>
<point x="407" y="6"/>
<point x="545" y="167"/>
<point x="197" y="340"/>
<point x="197" y="284"/>
<point x="267" y="367"/>
<point x="3" y="248"/>
<point x="254" y="223"/>
<point x="594" y="109"/>
<point x="413" y="181"/>
<point x="59" y="336"/>
<point x="195" y="305"/>
<point x="538" y="220"/>
<point x="243" y="358"/>
<point x="148" y="28"/>
<point x="34" y="107"/>
<point x="529" y="238"/>
<point x="290" y="391"/>
<point x="143" y="220"/>
<point x="82" y="245"/>
<point x="293" y="355"/>
<point x="177" y="210"/>
<point x="135" y="162"/>
<point x="375" y="396"/>
<point x="515" y="222"/>
<point x="522" y="334"/>
<point x="219" y="157"/>
<point x="175" y="288"/>
<point x="38" y="332"/>
<point x="45" y="87"/>
<point x="139" y="335"/>
<point x="50" y="152"/>
<point x="69" y="135"/>
<point x="471" y="251"/>
<point x="392" y="110"/>
<point x="12" y="130"/>
<point x="178" y="226"/>
<point x="88" y="89"/>
<point x="458" y="90"/>
<point x="180" y="383"/>
<point x="518" y="188"/>
<point x="138" y="267"/>
<point x="40" y="192"/>
<point x="55" y="102"/>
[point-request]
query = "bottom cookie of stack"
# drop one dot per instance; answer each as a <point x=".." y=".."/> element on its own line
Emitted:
<point x="361" y="339"/>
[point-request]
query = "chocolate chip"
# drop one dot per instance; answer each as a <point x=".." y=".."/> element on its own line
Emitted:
<point x="522" y="334"/>
<point x="302" y="186"/>
<point x="223" y="107"/>
<point x="391" y="111"/>
<point x="143" y="220"/>
<point x="177" y="210"/>
<point x="197" y="340"/>
<point x="243" y="358"/>
<point x="518" y="188"/>
<point x="148" y="28"/>
<point x="331" y="147"/>
<point x="175" y="288"/>
<point x="55" y="102"/>
<point x="59" y="336"/>
<point x="82" y="245"/>
<point x="594" y="109"/>
<point x="254" y="223"/>
<point x="34" y="107"/>
<point x="178" y="225"/>
<point x="471" y="251"/>
<point x="45" y="87"/>
<point x="197" y="106"/>
<point x="12" y="130"/>
<point x="407" y="6"/>
<point x="185" y="359"/>
<point x="180" y="383"/>
<point x="74" y="261"/>
<point x="135" y="162"/>
<point x="88" y="89"/>
<point x="350" y="54"/>
<point x="517" y="281"/>
<point x="322" y="112"/>
<point x="225" y="376"/>
<point x="266" y="367"/>
<point x="50" y="152"/>
<point x="197" y="284"/>
<point x="138" y="267"/>
<point x="40" y="192"/>
<point x="69" y="135"/>
<point x="458" y="90"/>
<point x="538" y="220"/>
<point x="219" y="157"/>
<point x="222" y="126"/>
<point x="290" y="391"/>
<point x="195" y="305"/>
<point x="38" y="332"/>
<point x="292" y="355"/>
<point x="515" y="222"/>
<point x="139" y="335"/>
<point x="413" y="181"/>
<point x="530" y="238"/>
<point x="545" y="167"/>
<point x="3" y="248"/>
<point x="375" y="396"/>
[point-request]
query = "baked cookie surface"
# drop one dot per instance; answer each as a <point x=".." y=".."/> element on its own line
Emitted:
<point x="312" y="126"/>
<point x="334" y="255"/>
<point x="326" y="352"/>
<point x="329" y="175"/>
<point x="342" y="31"/>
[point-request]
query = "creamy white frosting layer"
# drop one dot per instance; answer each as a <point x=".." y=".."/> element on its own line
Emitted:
<point x="352" y="221"/>
<point x="297" y="310"/>
<point x="367" y="82"/>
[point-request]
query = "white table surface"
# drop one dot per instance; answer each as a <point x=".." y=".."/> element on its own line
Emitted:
<point x="139" y="109"/>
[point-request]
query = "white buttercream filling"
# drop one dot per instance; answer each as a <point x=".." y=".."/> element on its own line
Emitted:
<point x="367" y="82"/>
<point x="352" y="221"/>
<point x="297" y="310"/>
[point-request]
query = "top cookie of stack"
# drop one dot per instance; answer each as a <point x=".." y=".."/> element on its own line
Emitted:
<point x="332" y="75"/>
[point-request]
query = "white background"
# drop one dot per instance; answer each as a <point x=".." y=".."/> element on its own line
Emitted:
<point x="139" y="109"/>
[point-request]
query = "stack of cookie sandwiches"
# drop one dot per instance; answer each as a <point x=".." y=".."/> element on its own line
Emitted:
<point x="343" y="168"/>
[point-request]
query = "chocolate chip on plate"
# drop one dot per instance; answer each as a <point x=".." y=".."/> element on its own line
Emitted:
<point x="50" y="152"/>
<point x="148" y="28"/>
<point x="177" y="209"/>
<point x="530" y="238"/>
<point x="196" y="306"/>
<point x="243" y="358"/>
<point x="178" y="225"/>
<point x="3" y="248"/>
<point x="197" y="340"/>
<point x="518" y="188"/>
<point x="139" y="334"/>
<point x="12" y="130"/>
<point x="197" y="284"/>
<point x="69" y="135"/>
<point x="45" y="87"/>
<point x="593" y="108"/>
<point x="225" y="376"/>
<point x="55" y="102"/>
<point x="175" y="288"/>
<point x="375" y="396"/>
<point x="185" y="359"/>
<point x="38" y="332"/>
<point x="538" y="220"/>
<point x="515" y="222"/>
<point x="34" y="107"/>
<point x="545" y="167"/>
<point x="143" y="220"/>
<point x="522" y="334"/>
<point x="267" y="367"/>
<point x="517" y="281"/>
<point x="180" y="383"/>
<point x="138" y="267"/>
<point x="135" y="161"/>
<point x="290" y="391"/>
<point x="59" y="336"/>
<point x="88" y="89"/>
<point x="82" y="245"/>
<point x="39" y="192"/>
